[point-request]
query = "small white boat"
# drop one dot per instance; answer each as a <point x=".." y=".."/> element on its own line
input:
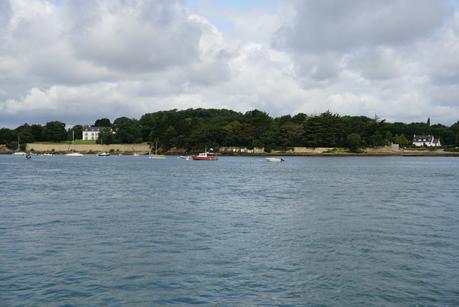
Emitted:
<point x="275" y="160"/>
<point x="159" y="157"/>
<point x="135" y="154"/>
<point x="18" y="152"/>
<point x="103" y="154"/>
<point x="185" y="157"/>
<point x="74" y="154"/>
<point x="47" y="154"/>
<point x="156" y="156"/>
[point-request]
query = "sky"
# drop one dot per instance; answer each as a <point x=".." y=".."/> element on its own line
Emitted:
<point x="77" y="61"/>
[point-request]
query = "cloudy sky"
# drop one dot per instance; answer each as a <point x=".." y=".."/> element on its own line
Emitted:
<point x="77" y="61"/>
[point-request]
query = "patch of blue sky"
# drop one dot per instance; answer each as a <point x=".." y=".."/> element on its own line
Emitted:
<point x="248" y="5"/>
<point x="240" y="5"/>
<point x="237" y="5"/>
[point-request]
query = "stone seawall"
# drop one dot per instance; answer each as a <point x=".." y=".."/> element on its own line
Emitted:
<point x="89" y="148"/>
<point x="4" y="150"/>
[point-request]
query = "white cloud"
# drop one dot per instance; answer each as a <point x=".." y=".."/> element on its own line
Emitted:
<point x="80" y="60"/>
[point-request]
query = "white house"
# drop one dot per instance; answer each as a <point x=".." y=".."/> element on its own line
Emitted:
<point x="426" y="140"/>
<point x="91" y="133"/>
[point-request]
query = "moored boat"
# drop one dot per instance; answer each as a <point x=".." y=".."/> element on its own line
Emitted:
<point x="206" y="156"/>
<point x="103" y="154"/>
<point x="156" y="156"/>
<point x="74" y="154"/>
<point x="275" y="160"/>
<point x="18" y="152"/>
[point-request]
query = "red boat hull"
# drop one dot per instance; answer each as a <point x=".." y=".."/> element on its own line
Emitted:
<point x="212" y="158"/>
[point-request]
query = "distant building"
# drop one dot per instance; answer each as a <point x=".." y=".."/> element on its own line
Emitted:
<point x="91" y="133"/>
<point x="235" y="149"/>
<point x="426" y="140"/>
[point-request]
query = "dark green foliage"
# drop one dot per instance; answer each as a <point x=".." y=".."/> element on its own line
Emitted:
<point x="193" y="129"/>
<point x="7" y="136"/>
<point x="127" y="130"/>
<point x="38" y="132"/>
<point x="55" y="131"/>
<point x="354" y="142"/>
<point x="102" y="122"/>
<point x="25" y="134"/>
<point x="76" y="130"/>
<point x="325" y="130"/>
<point x="401" y="140"/>
<point x="106" y="137"/>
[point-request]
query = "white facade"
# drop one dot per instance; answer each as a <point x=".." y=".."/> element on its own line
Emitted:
<point x="426" y="140"/>
<point x="91" y="133"/>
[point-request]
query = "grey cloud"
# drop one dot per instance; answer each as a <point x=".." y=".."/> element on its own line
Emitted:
<point x="317" y="67"/>
<point x="336" y="25"/>
<point x="143" y="36"/>
<point x="376" y="63"/>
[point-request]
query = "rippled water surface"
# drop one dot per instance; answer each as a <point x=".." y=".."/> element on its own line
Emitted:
<point x="238" y="231"/>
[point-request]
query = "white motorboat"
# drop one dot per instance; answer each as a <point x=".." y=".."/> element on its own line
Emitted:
<point x="103" y="154"/>
<point x="74" y="154"/>
<point x="275" y="159"/>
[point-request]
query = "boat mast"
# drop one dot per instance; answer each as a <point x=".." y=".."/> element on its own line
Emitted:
<point x="19" y="147"/>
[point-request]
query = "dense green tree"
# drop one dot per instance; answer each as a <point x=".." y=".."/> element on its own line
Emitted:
<point x="76" y="131"/>
<point x="325" y="130"/>
<point x="402" y="140"/>
<point x="8" y="137"/>
<point x="55" y="131"/>
<point x="457" y="139"/>
<point x="25" y="134"/>
<point x="38" y="132"/>
<point x="106" y="136"/>
<point x="103" y="122"/>
<point x="127" y="130"/>
<point x="290" y="134"/>
<point x="388" y="139"/>
<point x="354" y="142"/>
<point x="193" y="129"/>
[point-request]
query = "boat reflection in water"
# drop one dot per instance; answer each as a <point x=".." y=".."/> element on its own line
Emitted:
<point x="275" y="159"/>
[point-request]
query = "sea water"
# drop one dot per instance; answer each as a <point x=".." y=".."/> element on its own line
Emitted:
<point x="349" y="231"/>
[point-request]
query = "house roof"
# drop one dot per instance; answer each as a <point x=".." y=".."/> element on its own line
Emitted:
<point x="92" y="129"/>
<point x="424" y="138"/>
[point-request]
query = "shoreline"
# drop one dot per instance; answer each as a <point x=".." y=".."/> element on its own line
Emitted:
<point x="284" y="154"/>
<point x="143" y="149"/>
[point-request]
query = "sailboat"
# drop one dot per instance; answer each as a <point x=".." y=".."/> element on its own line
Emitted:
<point x="103" y="153"/>
<point x="73" y="153"/>
<point x="18" y="152"/>
<point x="156" y="156"/>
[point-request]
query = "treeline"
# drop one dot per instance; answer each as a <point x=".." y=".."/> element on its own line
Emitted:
<point x="196" y="128"/>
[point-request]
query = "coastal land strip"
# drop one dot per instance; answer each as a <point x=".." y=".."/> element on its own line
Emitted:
<point x="144" y="148"/>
